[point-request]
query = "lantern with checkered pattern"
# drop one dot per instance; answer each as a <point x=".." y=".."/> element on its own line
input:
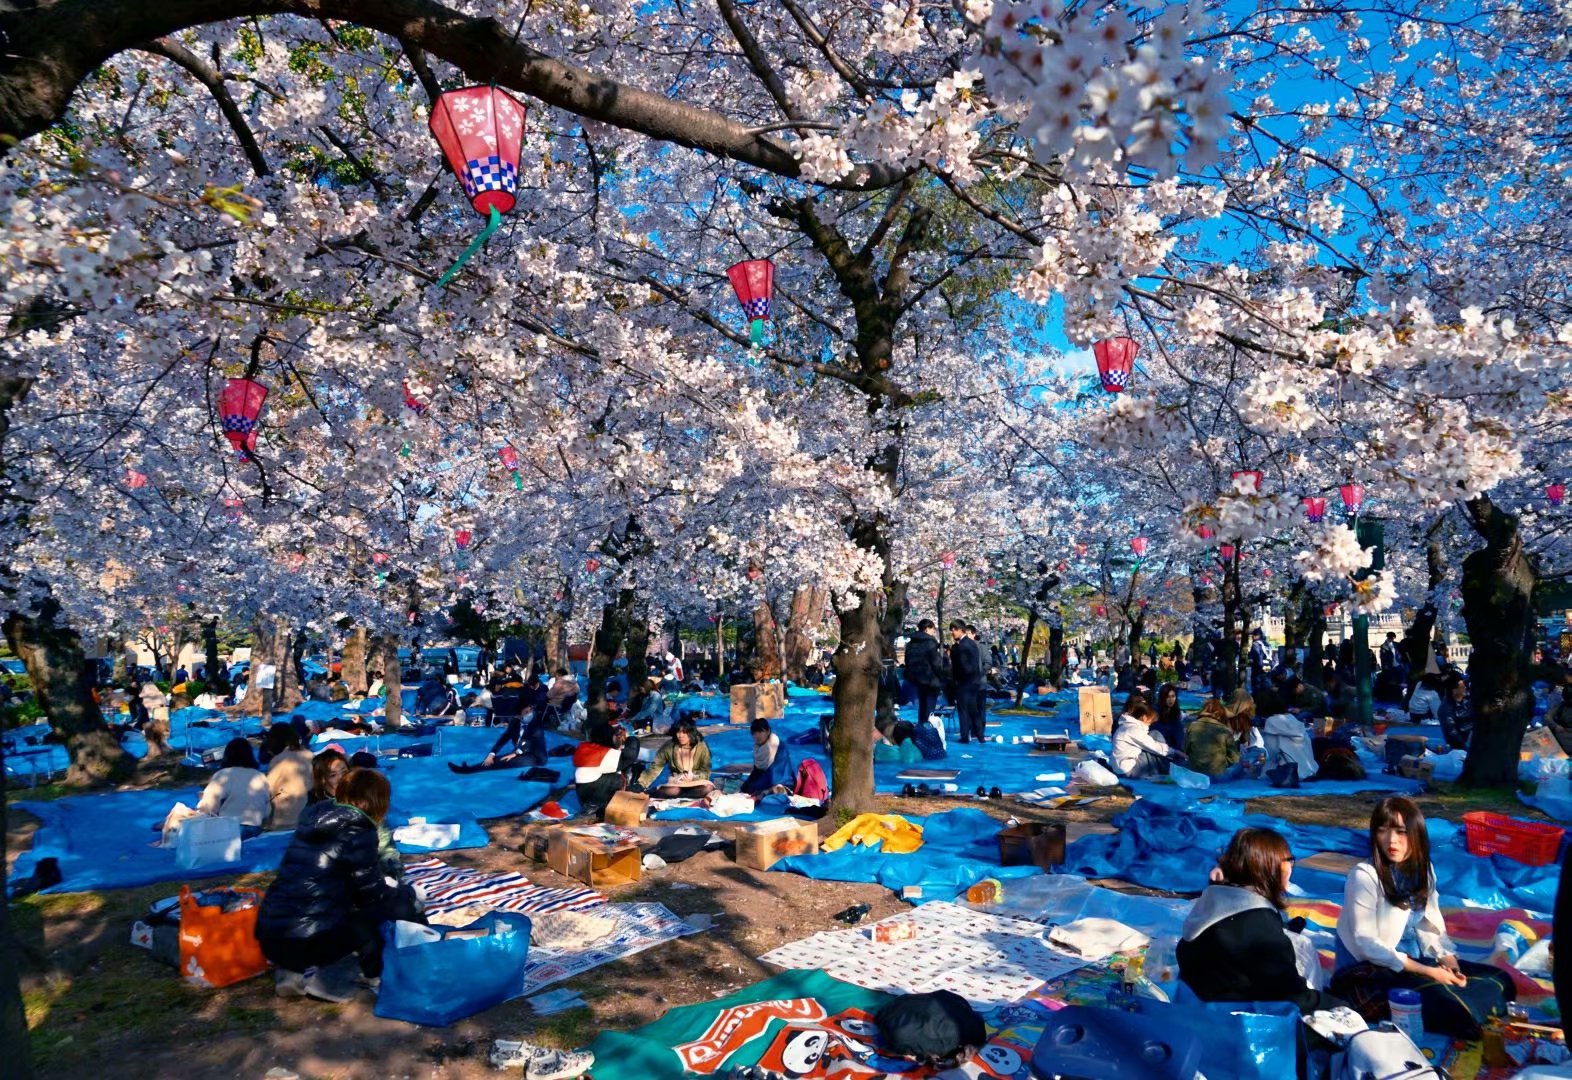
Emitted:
<point x="510" y="462"/>
<point x="239" y="406"/>
<point x="1115" y="362"/>
<point x="754" y="280"/>
<point x="1556" y="493"/>
<point x="1315" y="509"/>
<point x="481" y="132"/>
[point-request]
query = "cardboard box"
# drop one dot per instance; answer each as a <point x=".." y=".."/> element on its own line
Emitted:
<point x="600" y="864"/>
<point x="753" y="701"/>
<point x="762" y="845"/>
<point x="1541" y="743"/>
<point x="1032" y="843"/>
<point x="1096" y="710"/>
<point x="536" y="838"/>
<point x="1416" y="767"/>
<point x="1330" y="862"/>
<point x="627" y="808"/>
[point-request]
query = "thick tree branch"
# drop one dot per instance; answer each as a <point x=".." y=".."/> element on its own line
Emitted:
<point x="756" y="58"/>
<point x="209" y="77"/>
<point x="52" y="46"/>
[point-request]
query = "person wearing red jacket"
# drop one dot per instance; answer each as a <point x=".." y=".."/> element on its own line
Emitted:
<point x="603" y="765"/>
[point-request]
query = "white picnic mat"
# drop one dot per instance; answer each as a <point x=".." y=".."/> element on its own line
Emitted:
<point x="987" y="959"/>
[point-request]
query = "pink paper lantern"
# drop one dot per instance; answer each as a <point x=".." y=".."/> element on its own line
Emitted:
<point x="462" y="537"/>
<point x="413" y="403"/>
<point x="1556" y="493"/>
<point x="1226" y="552"/>
<point x="1252" y="478"/>
<point x="1101" y="611"/>
<point x="239" y="408"/>
<point x="1315" y="509"/>
<point x="992" y="582"/>
<point x="233" y="508"/>
<point x="1205" y="532"/>
<point x="1353" y="496"/>
<point x="591" y="565"/>
<point x="135" y="480"/>
<point x="1115" y="362"/>
<point x="481" y="132"/>
<point x="1138" y="545"/>
<point x="1080" y="549"/>
<point x="753" y="280"/>
<point x="380" y="558"/>
<point x="947" y="560"/>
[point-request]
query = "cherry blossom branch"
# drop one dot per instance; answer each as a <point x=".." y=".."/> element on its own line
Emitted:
<point x="205" y="74"/>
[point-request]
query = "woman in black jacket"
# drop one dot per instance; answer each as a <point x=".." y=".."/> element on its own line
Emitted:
<point x="1235" y="946"/>
<point x="330" y="897"/>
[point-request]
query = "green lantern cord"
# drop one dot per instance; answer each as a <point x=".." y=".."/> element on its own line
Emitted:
<point x="485" y="234"/>
<point x="756" y="337"/>
<point x="518" y="481"/>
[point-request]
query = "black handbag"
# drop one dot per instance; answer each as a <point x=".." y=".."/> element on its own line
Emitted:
<point x="1285" y="774"/>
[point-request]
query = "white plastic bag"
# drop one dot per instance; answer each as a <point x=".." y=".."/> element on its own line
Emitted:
<point x="207" y="841"/>
<point x="1093" y="774"/>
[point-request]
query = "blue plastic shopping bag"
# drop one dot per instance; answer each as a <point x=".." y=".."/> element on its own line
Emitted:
<point x="435" y="975"/>
<point x="1246" y="1040"/>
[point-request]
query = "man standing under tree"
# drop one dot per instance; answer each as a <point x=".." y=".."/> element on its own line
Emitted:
<point x="922" y="669"/>
<point x="966" y="671"/>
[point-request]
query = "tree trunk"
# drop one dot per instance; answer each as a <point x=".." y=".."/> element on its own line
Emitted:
<point x="891" y="621"/>
<point x="858" y="663"/>
<point x="807" y="613"/>
<point x="18" y="1057"/>
<point x="354" y="661"/>
<point x="1137" y="632"/>
<point x="557" y="630"/>
<point x="1498" y="590"/>
<point x="767" y="660"/>
<point x="1056" y="656"/>
<point x="217" y="675"/>
<point x="638" y="649"/>
<point x="274" y="644"/>
<point x="1418" y="639"/>
<point x="385" y="649"/>
<point x="1025" y="664"/>
<point x="609" y="636"/>
<point x="63" y="684"/>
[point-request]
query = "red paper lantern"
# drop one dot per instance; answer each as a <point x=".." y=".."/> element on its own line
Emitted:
<point x="992" y="582"/>
<point x="1353" y="496"/>
<point x="1206" y="579"/>
<point x="462" y="537"/>
<point x="1101" y="611"/>
<point x="753" y="280"/>
<point x="1253" y="476"/>
<point x="1315" y="509"/>
<point x="1556" y="493"/>
<point x="481" y="132"/>
<point x="1115" y="362"/>
<point x="592" y="565"/>
<point x="239" y="406"/>
<point x="1062" y="566"/>
<point x="380" y="558"/>
<point x="135" y="479"/>
<point x="296" y="561"/>
<point x="1267" y="572"/>
<point x="947" y="560"/>
<point x="510" y="462"/>
<point x="1205" y="532"/>
<point x="1226" y="552"/>
<point x="412" y="402"/>
<point x="233" y="507"/>
<point x="1138" y="545"/>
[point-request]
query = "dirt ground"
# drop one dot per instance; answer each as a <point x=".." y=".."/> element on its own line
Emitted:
<point x="99" y="1007"/>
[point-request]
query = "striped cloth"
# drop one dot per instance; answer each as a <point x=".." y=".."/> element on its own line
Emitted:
<point x="448" y="888"/>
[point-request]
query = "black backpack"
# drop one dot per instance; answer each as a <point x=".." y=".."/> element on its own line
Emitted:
<point x="931" y="1028"/>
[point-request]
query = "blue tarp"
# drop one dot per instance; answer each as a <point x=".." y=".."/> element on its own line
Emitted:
<point x="960" y="847"/>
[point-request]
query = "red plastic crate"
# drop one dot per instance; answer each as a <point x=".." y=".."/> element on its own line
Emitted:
<point x="1529" y="842"/>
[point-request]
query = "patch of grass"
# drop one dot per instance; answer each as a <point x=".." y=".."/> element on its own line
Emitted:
<point x="42" y="793"/>
<point x="70" y="1015"/>
<point x="252" y="1021"/>
<point x="569" y="1029"/>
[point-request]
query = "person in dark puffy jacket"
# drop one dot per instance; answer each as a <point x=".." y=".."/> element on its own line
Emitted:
<point x="331" y="896"/>
<point x="925" y="669"/>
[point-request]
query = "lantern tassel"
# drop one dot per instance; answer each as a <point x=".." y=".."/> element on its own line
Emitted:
<point x="756" y="334"/>
<point x="518" y="482"/>
<point x="474" y="245"/>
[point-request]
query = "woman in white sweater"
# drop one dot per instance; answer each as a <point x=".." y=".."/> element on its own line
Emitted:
<point x="1391" y="936"/>
<point x="1138" y="751"/>
<point x="238" y="789"/>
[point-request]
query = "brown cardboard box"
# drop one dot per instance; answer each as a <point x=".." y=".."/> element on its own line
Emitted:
<point x="1096" y="710"/>
<point x="535" y="840"/>
<point x="1331" y="862"/>
<point x="753" y="701"/>
<point x="762" y="845"/>
<point x="600" y="864"/>
<point x="1540" y="743"/>
<point x="1415" y="767"/>
<point x="627" y="808"/>
<point x="1032" y="843"/>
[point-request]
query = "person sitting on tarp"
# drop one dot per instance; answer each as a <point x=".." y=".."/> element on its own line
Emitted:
<point x="772" y="767"/>
<point x="1391" y="935"/>
<point x="1212" y="744"/>
<point x="651" y="709"/>
<point x="1138" y="751"/>
<point x="327" y="771"/>
<point x="238" y="790"/>
<point x="1235" y="946"/>
<point x="435" y="697"/>
<point x="687" y="757"/>
<point x="928" y="738"/>
<point x="1456" y="714"/>
<point x="331" y="895"/>
<point x="288" y="776"/>
<point x="563" y="692"/>
<point x="602" y="766"/>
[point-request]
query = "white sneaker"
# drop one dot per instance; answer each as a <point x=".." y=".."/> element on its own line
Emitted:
<point x="559" y="1064"/>
<point x="513" y="1053"/>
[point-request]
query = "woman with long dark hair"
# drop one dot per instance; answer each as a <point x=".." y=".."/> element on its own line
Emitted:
<point x="1170" y="721"/>
<point x="1235" y="946"/>
<point x="1390" y="935"/>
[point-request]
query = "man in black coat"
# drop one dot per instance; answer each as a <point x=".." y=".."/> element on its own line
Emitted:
<point x="966" y="669"/>
<point x="923" y="664"/>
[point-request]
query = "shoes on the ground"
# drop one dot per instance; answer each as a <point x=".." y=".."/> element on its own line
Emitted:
<point x="908" y="791"/>
<point x="332" y="984"/>
<point x="550" y="1064"/>
<point x="289" y="984"/>
<point x="982" y="792"/>
<point x="995" y="793"/>
<point x="513" y="1053"/>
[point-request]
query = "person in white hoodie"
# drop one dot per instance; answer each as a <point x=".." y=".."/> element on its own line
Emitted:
<point x="1138" y="751"/>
